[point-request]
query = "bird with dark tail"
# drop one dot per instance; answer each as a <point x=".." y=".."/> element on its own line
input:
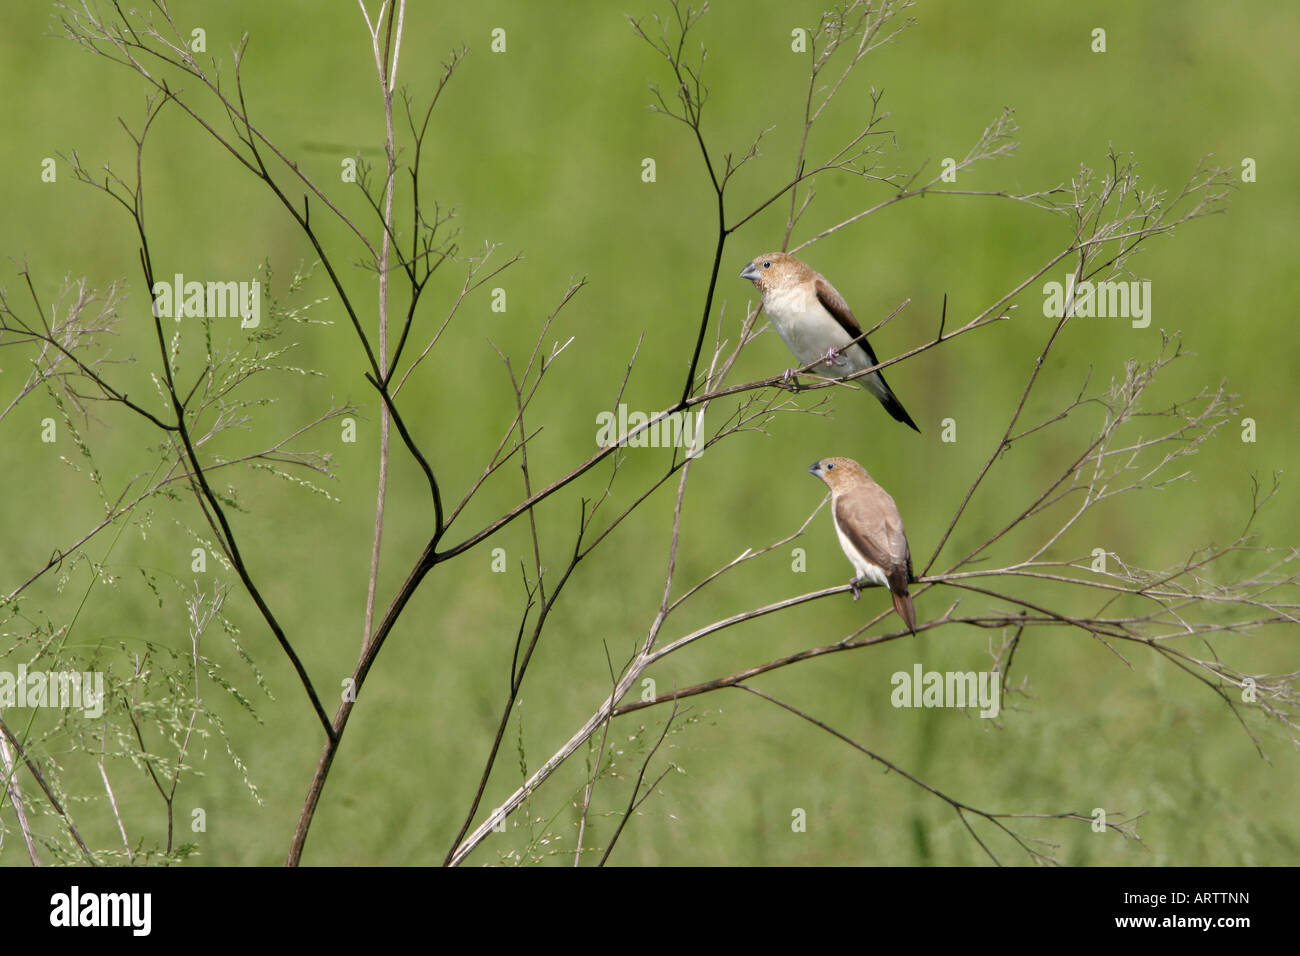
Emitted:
<point x="818" y="325"/>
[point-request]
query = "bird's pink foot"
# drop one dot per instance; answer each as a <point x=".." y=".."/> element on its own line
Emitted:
<point x="832" y="358"/>
<point x="857" y="591"/>
<point x="790" y="380"/>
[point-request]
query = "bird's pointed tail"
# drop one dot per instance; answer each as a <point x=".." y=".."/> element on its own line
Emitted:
<point x="895" y="408"/>
<point x="903" y="605"/>
<point x="878" y="387"/>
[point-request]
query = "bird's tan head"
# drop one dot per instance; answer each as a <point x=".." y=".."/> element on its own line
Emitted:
<point x="839" y="473"/>
<point x="774" y="271"/>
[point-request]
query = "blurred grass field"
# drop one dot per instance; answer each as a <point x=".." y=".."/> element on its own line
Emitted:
<point x="540" y="150"/>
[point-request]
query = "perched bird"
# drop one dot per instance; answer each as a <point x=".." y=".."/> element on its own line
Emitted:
<point x="870" y="530"/>
<point x="816" y="323"/>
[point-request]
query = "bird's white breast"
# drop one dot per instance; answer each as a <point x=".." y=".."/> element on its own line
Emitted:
<point x="809" y="331"/>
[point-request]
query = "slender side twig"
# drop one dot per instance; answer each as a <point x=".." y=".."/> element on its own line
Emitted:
<point x="1038" y="850"/>
<point x="16" y="798"/>
<point x="211" y="504"/>
<point x="636" y="798"/>
<point x="49" y="794"/>
<point x="387" y="72"/>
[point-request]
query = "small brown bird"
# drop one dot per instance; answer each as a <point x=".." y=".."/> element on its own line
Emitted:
<point x="816" y="323"/>
<point x="870" y="530"/>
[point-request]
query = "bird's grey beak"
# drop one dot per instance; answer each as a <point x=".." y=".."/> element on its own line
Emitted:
<point x="815" y="469"/>
<point x="749" y="272"/>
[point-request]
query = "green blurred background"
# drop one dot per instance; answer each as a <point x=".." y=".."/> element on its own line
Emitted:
<point x="539" y="149"/>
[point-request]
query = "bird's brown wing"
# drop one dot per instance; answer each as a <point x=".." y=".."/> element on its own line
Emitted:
<point x="839" y="309"/>
<point x="869" y="518"/>
<point x="834" y="303"/>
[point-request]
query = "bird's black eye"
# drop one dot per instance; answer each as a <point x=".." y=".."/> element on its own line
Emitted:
<point x="768" y="264"/>
<point x="830" y="465"/>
